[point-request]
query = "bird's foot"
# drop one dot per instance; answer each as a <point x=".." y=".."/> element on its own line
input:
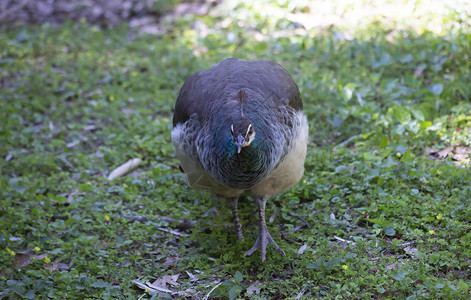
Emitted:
<point x="263" y="240"/>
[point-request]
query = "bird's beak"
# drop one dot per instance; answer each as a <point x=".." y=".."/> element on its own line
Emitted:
<point x="240" y="142"/>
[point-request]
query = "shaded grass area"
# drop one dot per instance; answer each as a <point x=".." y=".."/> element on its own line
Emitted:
<point x="376" y="217"/>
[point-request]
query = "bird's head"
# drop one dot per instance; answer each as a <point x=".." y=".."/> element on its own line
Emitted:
<point x="242" y="130"/>
<point x="242" y="134"/>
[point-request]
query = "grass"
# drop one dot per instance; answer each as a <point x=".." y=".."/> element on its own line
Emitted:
<point x="374" y="215"/>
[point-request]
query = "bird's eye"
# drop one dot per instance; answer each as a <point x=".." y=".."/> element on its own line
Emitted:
<point x="250" y="130"/>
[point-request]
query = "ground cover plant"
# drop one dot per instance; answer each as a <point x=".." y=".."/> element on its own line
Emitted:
<point x="383" y="210"/>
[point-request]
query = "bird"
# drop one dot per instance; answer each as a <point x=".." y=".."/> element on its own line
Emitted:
<point x="239" y="129"/>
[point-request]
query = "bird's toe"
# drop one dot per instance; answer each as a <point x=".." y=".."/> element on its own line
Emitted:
<point x="263" y="240"/>
<point x="254" y="248"/>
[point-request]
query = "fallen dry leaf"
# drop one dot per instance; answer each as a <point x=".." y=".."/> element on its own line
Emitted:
<point x="444" y="153"/>
<point x="170" y="261"/>
<point x="25" y="258"/>
<point x="40" y="257"/>
<point x="430" y="150"/>
<point x="170" y="279"/>
<point x="63" y="267"/>
<point x="254" y="288"/>
<point x="462" y="150"/>
<point x="52" y="267"/>
<point x="153" y="288"/>
<point x="191" y="291"/>
<point x="302" y="249"/>
<point x="71" y="198"/>
<point x="394" y="266"/>
<point x="22" y="259"/>
<point x="460" y="154"/>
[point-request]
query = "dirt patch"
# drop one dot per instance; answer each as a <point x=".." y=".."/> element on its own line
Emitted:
<point x="105" y="13"/>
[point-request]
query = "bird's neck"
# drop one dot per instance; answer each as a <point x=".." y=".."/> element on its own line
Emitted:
<point x="239" y="170"/>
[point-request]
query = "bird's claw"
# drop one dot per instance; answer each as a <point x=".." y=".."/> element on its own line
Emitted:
<point x="263" y="240"/>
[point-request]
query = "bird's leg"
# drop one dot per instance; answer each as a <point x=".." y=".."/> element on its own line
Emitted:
<point x="235" y="214"/>
<point x="264" y="238"/>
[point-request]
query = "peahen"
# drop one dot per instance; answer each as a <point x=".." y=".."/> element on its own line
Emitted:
<point x="239" y="129"/>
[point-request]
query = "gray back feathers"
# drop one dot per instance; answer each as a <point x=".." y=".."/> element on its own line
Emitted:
<point x="270" y="81"/>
